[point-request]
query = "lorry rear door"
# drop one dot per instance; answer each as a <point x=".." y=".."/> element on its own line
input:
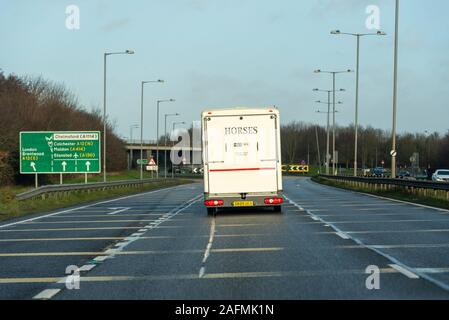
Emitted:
<point x="242" y="153"/>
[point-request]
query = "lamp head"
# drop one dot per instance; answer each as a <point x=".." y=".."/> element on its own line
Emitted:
<point x="129" y="51"/>
<point x="335" y="32"/>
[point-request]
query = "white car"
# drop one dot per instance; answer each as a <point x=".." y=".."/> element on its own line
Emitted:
<point x="441" y="175"/>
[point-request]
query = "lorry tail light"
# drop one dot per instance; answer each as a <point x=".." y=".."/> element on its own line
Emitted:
<point x="213" y="203"/>
<point x="274" y="200"/>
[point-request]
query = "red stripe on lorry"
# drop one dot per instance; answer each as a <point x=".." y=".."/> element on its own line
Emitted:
<point x="240" y="169"/>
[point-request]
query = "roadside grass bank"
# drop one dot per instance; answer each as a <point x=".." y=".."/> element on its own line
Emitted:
<point x="10" y="207"/>
<point x="393" y="194"/>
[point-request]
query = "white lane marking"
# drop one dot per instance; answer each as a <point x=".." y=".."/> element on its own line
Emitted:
<point x="342" y="235"/>
<point x="389" y="221"/>
<point x="398" y="231"/>
<point x="202" y="272"/>
<point x="404" y="271"/>
<point x="101" y="258"/>
<point x="123" y="244"/>
<point x="208" y="248"/>
<point x="87" y="206"/>
<point x="46" y="294"/>
<point x="117" y="210"/>
<point x="87" y="267"/>
<point x="111" y="251"/>
<point x="432" y="270"/>
<point x="137" y="234"/>
<point x="420" y="246"/>
<point x="49" y="293"/>
<point x="395" y="261"/>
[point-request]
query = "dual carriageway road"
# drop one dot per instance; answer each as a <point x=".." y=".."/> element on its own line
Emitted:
<point x="162" y="245"/>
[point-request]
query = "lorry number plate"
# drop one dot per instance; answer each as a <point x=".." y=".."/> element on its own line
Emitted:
<point x="243" y="203"/>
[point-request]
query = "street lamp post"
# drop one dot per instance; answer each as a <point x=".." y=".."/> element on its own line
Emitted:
<point x="356" y="124"/>
<point x="427" y="134"/>
<point x="141" y="122"/>
<point x="165" y="141"/>
<point x="395" y="90"/>
<point x="104" y="106"/>
<point x="328" y="112"/>
<point x="333" y="103"/>
<point x="131" y="127"/>
<point x="157" y="134"/>
<point x="173" y="129"/>
<point x="327" y="127"/>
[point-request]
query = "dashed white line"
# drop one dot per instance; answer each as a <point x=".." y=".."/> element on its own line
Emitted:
<point x="87" y="267"/>
<point x="342" y="235"/>
<point x="118" y="210"/>
<point x="83" y="207"/>
<point x="100" y="258"/>
<point x="404" y="271"/>
<point x="46" y="294"/>
<point x="208" y="248"/>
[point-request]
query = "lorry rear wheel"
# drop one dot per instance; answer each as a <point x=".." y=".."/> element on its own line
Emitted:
<point x="211" y="211"/>
<point x="277" y="208"/>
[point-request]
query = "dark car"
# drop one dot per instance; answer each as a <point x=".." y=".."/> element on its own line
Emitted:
<point x="404" y="175"/>
<point x="379" y="171"/>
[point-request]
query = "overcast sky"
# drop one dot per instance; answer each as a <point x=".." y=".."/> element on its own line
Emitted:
<point x="221" y="53"/>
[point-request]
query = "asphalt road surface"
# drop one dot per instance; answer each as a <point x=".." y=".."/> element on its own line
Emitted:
<point x="162" y="245"/>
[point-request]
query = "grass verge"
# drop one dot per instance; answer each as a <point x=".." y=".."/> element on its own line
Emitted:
<point x="393" y="194"/>
<point x="12" y="208"/>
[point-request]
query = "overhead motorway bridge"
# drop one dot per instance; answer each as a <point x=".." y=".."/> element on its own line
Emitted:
<point x="150" y="148"/>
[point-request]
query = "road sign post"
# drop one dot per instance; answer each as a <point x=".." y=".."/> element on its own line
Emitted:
<point x="48" y="152"/>
<point x="151" y="166"/>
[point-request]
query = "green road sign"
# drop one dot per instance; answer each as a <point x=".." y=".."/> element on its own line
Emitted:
<point x="60" y="152"/>
<point x="142" y="161"/>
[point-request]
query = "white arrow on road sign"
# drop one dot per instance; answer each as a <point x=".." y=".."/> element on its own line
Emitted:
<point x="64" y="164"/>
<point x="88" y="165"/>
<point x="33" y="165"/>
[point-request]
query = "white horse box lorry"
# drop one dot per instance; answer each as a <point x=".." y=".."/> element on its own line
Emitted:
<point x="242" y="158"/>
